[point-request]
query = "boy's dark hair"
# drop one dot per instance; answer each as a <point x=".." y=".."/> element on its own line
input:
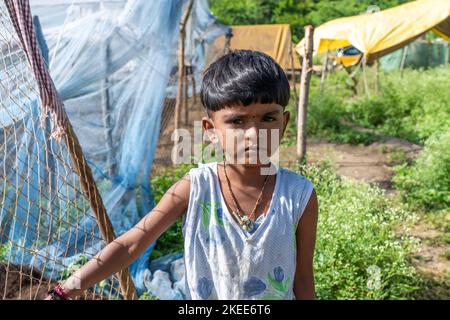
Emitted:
<point x="243" y="77"/>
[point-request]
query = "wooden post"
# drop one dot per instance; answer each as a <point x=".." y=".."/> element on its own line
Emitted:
<point x="181" y="70"/>
<point x="324" y="72"/>
<point x="226" y="45"/>
<point x="194" y="97"/>
<point x="304" y="93"/>
<point x="294" y="84"/>
<point x="185" y="98"/>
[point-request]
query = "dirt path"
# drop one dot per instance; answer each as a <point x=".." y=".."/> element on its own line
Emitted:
<point x="372" y="163"/>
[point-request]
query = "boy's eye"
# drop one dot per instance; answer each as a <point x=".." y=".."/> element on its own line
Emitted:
<point x="269" y="119"/>
<point x="236" y="121"/>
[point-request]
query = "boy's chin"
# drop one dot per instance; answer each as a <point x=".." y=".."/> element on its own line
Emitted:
<point x="255" y="163"/>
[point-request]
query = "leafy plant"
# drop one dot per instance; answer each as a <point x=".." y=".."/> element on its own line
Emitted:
<point x="358" y="254"/>
<point x="426" y="183"/>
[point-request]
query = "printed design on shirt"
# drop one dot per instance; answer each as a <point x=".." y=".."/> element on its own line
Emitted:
<point x="216" y="235"/>
<point x="204" y="287"/>
<point x="278" y="285"/>
<point x="211" y="210"/>
<point x="253" y="286"/>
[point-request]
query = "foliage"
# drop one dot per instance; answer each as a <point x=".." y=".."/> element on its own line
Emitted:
<point x="426" y="183"/>
<point x="412" y="106"/>
<point x="5" y="250"/>
<point x="147" y="296"/>
<point x="358" y="255"/>
<point x="74" y="266"/>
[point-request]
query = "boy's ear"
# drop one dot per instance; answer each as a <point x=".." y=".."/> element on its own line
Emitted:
<point x="286" y="116"/>
<point x="208" y="126"/>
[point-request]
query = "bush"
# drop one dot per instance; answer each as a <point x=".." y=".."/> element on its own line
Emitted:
<point x="327" y="119"/>
<point x="411" y="107"/>
<point x="426" y="183"/>
<point x="358" y="255"/>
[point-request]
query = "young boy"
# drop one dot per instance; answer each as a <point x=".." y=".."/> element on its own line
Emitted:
<point x="249" y="226"/>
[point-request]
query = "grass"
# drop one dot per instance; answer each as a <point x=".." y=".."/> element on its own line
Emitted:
<point x="426" y="183"/>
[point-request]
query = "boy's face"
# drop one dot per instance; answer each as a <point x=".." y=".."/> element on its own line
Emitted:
<point x="245" y="133"/>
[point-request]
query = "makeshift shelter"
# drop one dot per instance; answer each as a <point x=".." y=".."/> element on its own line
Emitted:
<point x="379" y="33"/>
<point x="272" y="39"/>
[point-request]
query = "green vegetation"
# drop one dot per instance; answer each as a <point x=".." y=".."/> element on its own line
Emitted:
<point x="5" y="250"/>
<point x="426" y="183"/>
<point x="413" y="106"/>
<point x="358" y="254"/>
<point x="74" y="266"/>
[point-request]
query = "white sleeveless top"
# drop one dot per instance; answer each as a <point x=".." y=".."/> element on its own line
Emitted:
<point x="222" y="261"/>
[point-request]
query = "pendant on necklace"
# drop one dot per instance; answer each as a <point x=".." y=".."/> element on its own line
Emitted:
<point x="248" y="224"/>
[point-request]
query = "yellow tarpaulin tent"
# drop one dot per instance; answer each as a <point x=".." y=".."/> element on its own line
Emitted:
<point x="272" y="39"/>
<point x="377" y="34"/>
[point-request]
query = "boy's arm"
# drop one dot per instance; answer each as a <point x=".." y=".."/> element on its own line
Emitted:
<point x="121" y="252"/>
<point x="306" y="240"/>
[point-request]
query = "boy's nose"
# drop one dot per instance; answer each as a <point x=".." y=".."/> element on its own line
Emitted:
<point x="251" y="134"/>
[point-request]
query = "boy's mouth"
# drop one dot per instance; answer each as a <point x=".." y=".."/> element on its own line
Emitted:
<point x="251" y="148"/>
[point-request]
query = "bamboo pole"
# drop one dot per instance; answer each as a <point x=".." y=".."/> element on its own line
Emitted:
<point x="294" y="84"/>
<point x="181" y="70"/>
<point x="186" y="93"/>
<point x="304" y="93"/>
<point x="90" y="189"/>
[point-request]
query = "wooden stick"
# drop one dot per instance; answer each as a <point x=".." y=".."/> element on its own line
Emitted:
<point x="90" y="189"/>
<point x="185" y="95"/>
<point x="294" y="84"/>
<point x="304" y="93"/>
<point x="181" y="70"/>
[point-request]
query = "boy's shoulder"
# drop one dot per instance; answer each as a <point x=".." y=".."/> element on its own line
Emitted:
<point x="290" y="176"/>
